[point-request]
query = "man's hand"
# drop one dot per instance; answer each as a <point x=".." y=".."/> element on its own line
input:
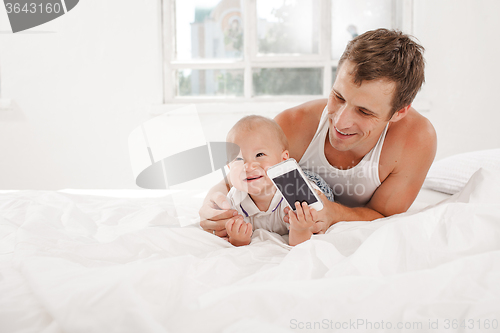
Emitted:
<point x="215" y="213"/>
<point x="325" y="216"/>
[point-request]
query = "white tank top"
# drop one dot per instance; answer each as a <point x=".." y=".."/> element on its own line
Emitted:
<point x="352" y="187"/>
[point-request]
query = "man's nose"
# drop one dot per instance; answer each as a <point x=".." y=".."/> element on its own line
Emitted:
<point x="344" y="117"/>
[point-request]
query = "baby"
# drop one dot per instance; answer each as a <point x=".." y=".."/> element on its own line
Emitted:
<point x="262" y="144"/>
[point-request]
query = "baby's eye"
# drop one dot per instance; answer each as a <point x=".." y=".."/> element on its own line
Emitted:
<point x="238" y="159"/>
<point x="260" y="154"/>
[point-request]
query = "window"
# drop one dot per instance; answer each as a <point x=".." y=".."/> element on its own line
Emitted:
<point x="264" y="49"/>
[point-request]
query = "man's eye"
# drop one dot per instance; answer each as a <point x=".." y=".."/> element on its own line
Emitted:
<point x="339" y="98"/>
<point x="260" y="154"/>
<point x="363" y="112"/>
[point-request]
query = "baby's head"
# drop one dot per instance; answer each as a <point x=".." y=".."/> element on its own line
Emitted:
<point x="262" y="144"/>
<point x="254" y="125"/>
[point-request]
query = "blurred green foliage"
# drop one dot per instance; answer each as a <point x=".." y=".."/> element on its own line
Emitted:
<point x="288" y="81"/>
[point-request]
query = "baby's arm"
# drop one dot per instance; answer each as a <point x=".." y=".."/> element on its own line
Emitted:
<point x="239" y="231"/>
<point x="302" y="223"/>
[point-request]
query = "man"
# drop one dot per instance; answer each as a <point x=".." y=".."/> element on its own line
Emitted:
<point x="365" y="140"/>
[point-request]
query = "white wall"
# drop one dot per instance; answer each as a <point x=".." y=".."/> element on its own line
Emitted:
<point x="81" y="90"/>
<point x="78" y="91"/>
<point x="462" y="74"/>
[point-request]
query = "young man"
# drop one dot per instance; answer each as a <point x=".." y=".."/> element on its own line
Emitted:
<point x="366" y="140"/>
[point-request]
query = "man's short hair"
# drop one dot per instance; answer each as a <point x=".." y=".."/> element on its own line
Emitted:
<point x="258" y="122"/>
<point x="391" y="55"/>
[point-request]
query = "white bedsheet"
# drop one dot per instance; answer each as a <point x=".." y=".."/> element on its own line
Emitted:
<point x="75" y="263"/>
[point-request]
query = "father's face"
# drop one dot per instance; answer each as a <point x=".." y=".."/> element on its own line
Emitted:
<point x="358" y="114"/>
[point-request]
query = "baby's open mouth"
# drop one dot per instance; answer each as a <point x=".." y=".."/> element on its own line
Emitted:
<point x="249" y="179"/>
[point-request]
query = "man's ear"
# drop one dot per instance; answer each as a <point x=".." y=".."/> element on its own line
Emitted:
<point x="284" y="155"/>
<point x="398" y="115"/>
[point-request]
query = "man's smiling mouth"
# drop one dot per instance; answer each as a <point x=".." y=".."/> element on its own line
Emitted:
<point x="347" y="134"/>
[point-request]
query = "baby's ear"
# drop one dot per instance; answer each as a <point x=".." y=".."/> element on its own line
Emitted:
<point x="285" y="155"/>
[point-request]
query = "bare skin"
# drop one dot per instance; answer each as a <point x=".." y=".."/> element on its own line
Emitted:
<point x="239" y="232"/>
<point x="360" y="112"/>
<point x="302" y="223"/>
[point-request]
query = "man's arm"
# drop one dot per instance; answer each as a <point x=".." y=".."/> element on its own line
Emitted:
<point x="401" y="187"/>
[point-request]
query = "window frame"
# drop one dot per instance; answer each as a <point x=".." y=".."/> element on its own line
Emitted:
<point x="402" y="19"/>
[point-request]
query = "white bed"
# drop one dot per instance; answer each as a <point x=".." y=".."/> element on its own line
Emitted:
<point x="107" y="261"/>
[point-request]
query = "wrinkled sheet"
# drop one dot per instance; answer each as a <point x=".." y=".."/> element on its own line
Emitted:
<point x="76" y="263"/>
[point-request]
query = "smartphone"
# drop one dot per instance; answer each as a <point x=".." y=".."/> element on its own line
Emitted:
<point x="293" y="184"/>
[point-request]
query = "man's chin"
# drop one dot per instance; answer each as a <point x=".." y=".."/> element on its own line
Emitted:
<point x="341" y="145"/>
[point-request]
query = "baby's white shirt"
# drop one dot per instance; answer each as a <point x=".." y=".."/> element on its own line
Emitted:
<point x="271" y="220"/>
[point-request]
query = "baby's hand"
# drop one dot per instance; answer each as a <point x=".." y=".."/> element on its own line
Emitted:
<point x="302" y="223"/>
<point x="239" y="232"/>
<point x="304" y="218"/>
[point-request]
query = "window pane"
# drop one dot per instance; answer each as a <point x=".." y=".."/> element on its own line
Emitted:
<point x="210" y="82"/>
<point x="334" y="74"/>
<point x="287" y="81"/>
<point x="354" y="17"/>
<point x="207" y="29"/>
<point x="288" y="26"/>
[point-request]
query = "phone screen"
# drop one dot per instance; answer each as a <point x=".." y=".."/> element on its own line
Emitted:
<point x="294" y="188"/>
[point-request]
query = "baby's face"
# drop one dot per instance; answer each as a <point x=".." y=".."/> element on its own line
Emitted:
<point x="259" y="150"/>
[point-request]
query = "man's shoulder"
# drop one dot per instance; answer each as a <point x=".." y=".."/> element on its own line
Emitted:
<point x="411" y="137"/>
<point x="408" y="151"/>
<point x="300" y="123"/>
<point x="309" y="112"/>
<point x="413" y="130"/>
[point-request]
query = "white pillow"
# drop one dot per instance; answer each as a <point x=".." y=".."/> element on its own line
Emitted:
<point x="450" y="174"/>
